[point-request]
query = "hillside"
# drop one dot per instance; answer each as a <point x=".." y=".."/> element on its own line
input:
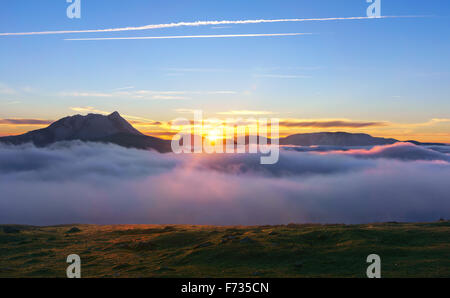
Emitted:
<point x="94" y="128"/>
<point x="406" y="250"/>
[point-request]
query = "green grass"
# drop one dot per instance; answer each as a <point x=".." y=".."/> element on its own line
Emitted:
<point x="406" y="250"/>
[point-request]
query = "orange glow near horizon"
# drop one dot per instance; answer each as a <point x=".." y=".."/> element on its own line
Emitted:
<point x="437" y="131"/>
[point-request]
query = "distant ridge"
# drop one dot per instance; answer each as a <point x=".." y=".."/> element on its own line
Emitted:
<point x="344" y="139"/>
<point x="335" y="139"/>
<point x="115" y="129"/>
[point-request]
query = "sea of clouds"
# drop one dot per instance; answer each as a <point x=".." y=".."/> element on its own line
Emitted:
<point x="77" y="182"/>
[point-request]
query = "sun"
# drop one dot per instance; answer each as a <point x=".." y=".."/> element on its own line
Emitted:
<point x="214" y="135"/>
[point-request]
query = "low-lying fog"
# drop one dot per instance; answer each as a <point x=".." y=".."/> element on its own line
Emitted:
<point x="105" y="184"/>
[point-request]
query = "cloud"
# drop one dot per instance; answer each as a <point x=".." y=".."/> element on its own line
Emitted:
<point x="196" y="24"/>
<point x="148" y="122"/>
<point x="441" y="149"/>
<point x="4" y="89"/>
<point x="433" y="122"/>
<point x="289" y="164"/>
<point x="221" y="27"/>
<point x="13" y="102"/>
<point x="89" y="110"/>
<point x="86" y="94"/>
<point x="329" y="123"/>
<point x="160" y="134"/>
<point x="221" y="92"/>
<point x="170" y="97"/>
<point x="196" y="69"/>
<point x="107" y="184"/>
<point x="281" y="76"/>
<point x="25" y="121"/>
<point x="186" y="111"/>
<point x="189" y="36"/>
<point x="123" y="88"/>
<point x="147" y="94"/>
<point x="245" y="113"/>
<point x="399" y="151"/>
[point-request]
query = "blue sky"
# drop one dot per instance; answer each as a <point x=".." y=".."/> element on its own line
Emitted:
<point x="392" y="69"/>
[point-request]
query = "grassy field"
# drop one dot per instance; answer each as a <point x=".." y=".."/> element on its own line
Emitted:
<point x="406" y="250"/>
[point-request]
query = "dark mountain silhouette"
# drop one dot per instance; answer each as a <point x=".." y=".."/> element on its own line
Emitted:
<point x="426" y="144"/>
<point x="114" y="129"/>
<point x="335" y="139"/>
<point x="93" y="127"/>
<point x="342" y="139"/>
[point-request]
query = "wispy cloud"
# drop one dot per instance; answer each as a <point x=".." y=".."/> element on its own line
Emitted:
<point x="147" y="94"/>
<point x="221" y="92"/>
<point x="329" y="124"/>
<point x="282" y="76"/>
<point x="85" y="94"/>
<point x="123" y="88"/>
<point x="89" y="110"/>
<point x="186" y="111"/>
<point x="196" y="24"/>
<point x="221" y="27"/>
<point x="189" y="36"/>
<point x="25" y="121"/>
<point x="13" y="102"/>
<point x="437" y="120"/>
<point x="4" y="89"/>
<point x="170" y="97"/>
<point x="190" y="69"/>
<point x="245" y="113"/>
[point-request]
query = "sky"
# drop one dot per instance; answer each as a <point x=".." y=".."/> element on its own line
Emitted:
<point x="384" y="76"/>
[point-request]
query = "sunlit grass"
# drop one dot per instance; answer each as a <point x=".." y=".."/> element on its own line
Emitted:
<point x="406" y="250"/>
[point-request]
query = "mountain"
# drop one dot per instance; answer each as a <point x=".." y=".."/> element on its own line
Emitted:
<point x="114" y="129"/>
<point x="343" y="139"/>
<point x="426" y="144"/>
<point x="93" y="127"/>
<point x="335" y="139"/>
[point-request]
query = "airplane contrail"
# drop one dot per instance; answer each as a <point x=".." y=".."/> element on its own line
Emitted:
<point x="191" y="36"/>
<point x="196" y="24"/>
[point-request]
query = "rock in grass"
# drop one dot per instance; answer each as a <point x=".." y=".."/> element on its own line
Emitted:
<point x="298" y="264"/>
<point x="73" y="230"/>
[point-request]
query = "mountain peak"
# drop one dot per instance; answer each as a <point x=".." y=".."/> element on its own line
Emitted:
<point x="91" y="127"/>
<point x="114" y="114"/>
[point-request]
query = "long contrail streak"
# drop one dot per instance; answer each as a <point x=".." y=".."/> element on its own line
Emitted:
<point x="191" y="36"/>
<point x="196" y="24"/>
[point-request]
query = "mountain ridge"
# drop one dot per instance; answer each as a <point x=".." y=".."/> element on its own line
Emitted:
<point x="92" y="127"/>
<point x="115" y="129"/>
<point x="344" y="139"/>
<point x="335" y="139"/>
